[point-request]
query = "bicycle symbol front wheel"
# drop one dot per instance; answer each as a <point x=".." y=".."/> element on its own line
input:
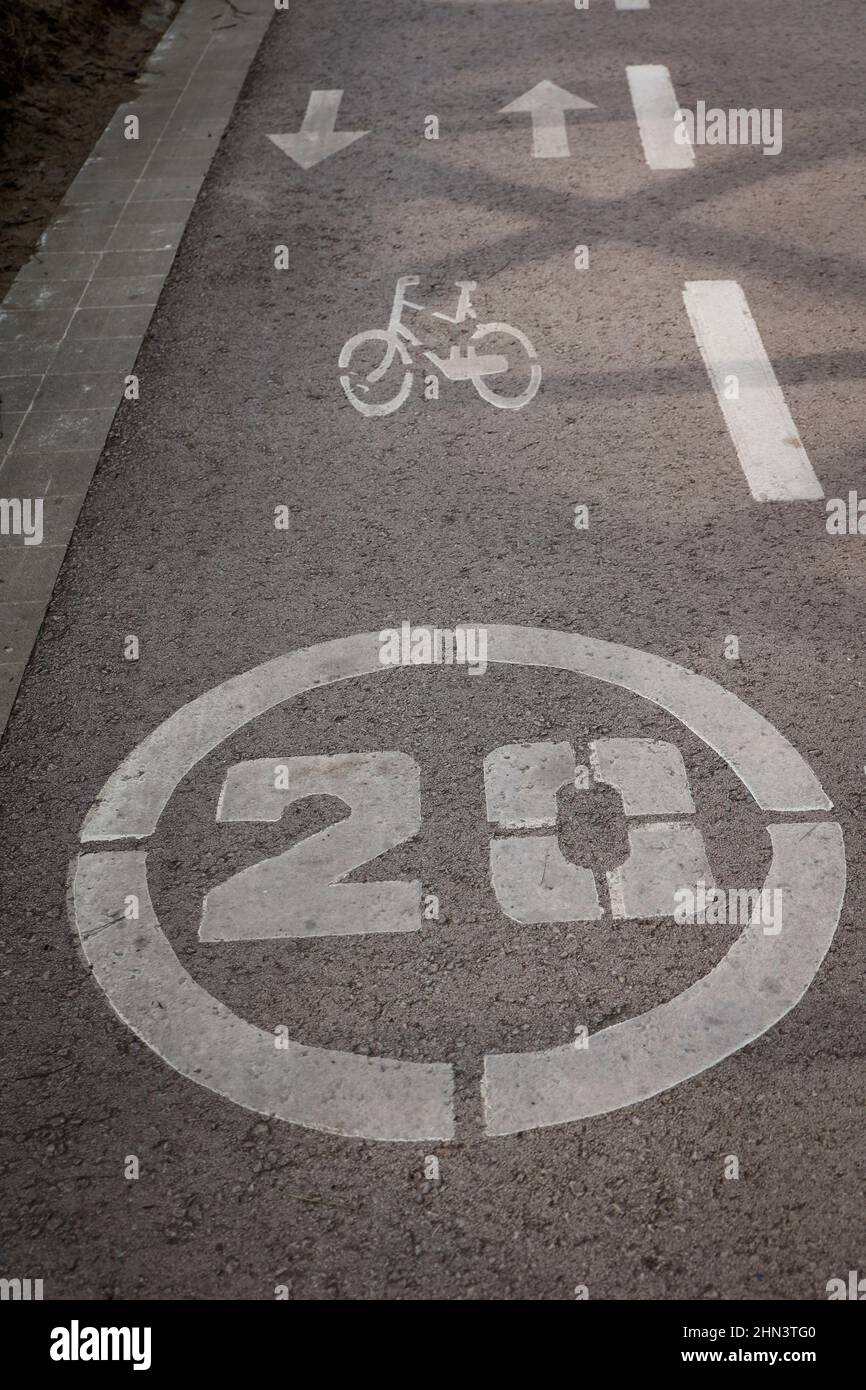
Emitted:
<point x="367" y="375"/>
<point x="497" y="398"/>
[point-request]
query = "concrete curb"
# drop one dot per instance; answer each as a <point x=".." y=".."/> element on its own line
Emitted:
<point x="73" y="322"/>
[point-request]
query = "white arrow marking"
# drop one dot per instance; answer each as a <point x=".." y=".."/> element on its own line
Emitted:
<point x="317" y="138"/>
<point x="547" y="105"/>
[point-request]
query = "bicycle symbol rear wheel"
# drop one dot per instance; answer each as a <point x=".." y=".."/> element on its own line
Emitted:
<point x="359" y="391"/>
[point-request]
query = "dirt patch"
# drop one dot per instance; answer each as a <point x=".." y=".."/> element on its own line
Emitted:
<point x="65" y="65"/>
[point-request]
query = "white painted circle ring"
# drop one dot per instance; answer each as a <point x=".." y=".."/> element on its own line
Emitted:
<point x="758" y="981"/>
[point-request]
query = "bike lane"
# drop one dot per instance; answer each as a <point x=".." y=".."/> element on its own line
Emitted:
<point x="243" y="509"/>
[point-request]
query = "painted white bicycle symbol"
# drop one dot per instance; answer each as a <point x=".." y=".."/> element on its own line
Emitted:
<point x="459" y="365"/>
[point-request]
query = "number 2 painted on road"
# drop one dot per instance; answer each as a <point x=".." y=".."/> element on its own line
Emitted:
<point x="299" y="893"/>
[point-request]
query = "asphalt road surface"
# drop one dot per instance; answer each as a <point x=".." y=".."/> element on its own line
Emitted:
<point x="620" y="496"/>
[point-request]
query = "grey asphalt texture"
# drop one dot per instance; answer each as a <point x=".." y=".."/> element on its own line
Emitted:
<point x="450" y="511"/>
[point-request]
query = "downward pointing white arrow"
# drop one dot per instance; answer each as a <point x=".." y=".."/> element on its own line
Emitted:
<point x="547" y="105"/>
<point x="317" y="138"/>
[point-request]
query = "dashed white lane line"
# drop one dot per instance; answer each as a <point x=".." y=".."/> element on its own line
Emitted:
<point x="632" y="4"/>
<point x="655" y="106"/>
<point x="772" y="457"/>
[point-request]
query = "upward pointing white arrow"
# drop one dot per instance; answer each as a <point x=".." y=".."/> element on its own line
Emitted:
<point x="547" y="105"/>
<point x="317" y="138"/>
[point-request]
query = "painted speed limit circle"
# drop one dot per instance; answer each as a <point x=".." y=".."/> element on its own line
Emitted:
<point x="755" y="984"/>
